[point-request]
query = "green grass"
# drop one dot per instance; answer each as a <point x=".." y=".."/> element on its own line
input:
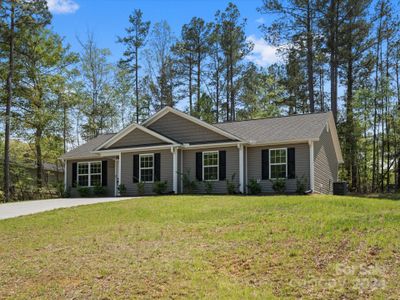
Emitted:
<point x="206" y="247"/>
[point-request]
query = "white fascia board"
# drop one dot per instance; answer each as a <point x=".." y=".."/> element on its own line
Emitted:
<point x="214" y="145"/>
<point x="133" y="149"/>
<point x="168" y="109"/>
<point x="288" y="142"/>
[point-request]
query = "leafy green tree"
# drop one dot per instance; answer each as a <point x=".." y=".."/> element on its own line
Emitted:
<point x="135" y="40"/>
<point x="45" y="64"/>
<point x="235" y="47"/>
<point x="18" y="19"/>
<point x="96" y="76"/>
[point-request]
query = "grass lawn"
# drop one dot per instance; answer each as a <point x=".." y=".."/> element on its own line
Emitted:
<point x="206" y="247"/>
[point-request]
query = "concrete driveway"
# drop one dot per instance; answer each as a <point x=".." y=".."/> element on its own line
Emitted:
<point x="16" y="209"/>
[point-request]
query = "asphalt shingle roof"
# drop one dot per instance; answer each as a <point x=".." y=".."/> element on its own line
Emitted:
<point x="280" y="129"/>
<point x="83" y="151"/>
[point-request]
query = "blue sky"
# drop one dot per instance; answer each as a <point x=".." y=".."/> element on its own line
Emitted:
<point x="108" y="18"/>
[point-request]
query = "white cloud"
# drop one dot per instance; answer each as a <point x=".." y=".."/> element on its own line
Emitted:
<point x="62" y="6"/>
<point x="260" y="20"/>
<point x="263" y="54"/>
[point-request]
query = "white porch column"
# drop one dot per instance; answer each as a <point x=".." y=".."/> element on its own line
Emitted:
<point x="311" y="144"/>
<point x="119" y="173"/>
<point x="241" y="168"/>
<point x="65" y="174"/>
<point x="174" y="169"/>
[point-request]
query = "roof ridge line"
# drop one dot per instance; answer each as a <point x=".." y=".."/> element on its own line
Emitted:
<point x="270" y="118"/>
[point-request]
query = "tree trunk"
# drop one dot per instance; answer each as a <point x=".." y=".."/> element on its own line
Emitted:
<point x="198" y="80"/>
<point x="137" y="84"/>
<point x="8" y="107"/>
<point x="39" y="159"/>
<point x="332" y="56"/>
<point x="190" y="86"/>
<point x="310" y="59"/>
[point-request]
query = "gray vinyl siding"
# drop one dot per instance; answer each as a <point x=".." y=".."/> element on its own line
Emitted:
<point x="325" y="164"/>
<point x="232" y="167"/>
<point x="184" y="131"/>
<point x="110" y="175"/>
<point x="302" y="154"/>
<point x="127" y="172"/>
<point x="137" y="138"/>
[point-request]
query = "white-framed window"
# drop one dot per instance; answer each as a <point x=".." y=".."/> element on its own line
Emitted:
<point x="278" y="163"/>
<point x="211" y="166"/>
<point x="146" y="167"/>
<point x="89" y="173"/>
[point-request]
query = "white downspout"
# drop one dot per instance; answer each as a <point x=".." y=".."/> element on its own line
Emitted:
<point x="119" y="172"/>
<point x="311" y="144"/>
<point x="241" y="168"/>
<point x="174" y="169"/>
<point x="65" y="174"/>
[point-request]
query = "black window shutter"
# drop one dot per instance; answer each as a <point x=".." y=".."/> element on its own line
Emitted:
<point x="291" y="159"/>
<point x="265" y="164"/>
<point x="136" y="168"/>
<point x="199" y="166"/>
<point x="104" y="173"/>
<point x="157" y="166"/>
<point x="222" y="165"/>
<point x="74" y="173"/>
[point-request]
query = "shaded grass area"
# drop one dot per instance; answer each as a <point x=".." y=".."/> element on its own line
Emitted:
<point x="228" y="247"/>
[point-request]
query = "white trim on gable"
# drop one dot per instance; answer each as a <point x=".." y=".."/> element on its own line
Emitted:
<point x="331" y="127"/>
<point x="124" y="132"/>
<point x="168" y="109"/>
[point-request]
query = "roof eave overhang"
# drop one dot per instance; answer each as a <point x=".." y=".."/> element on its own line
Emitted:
<point x="112" y="152"/>
<point x="280" y="143"/>
<point x="212" y="145"/>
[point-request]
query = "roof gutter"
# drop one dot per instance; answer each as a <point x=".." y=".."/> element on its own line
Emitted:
<point x="260" y="144"/>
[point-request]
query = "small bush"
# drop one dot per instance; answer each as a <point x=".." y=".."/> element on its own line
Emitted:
<point x="208" y="187"/>
<point x="279" y="185"/>
<point x="301" y="185"/>
<point x="2" y="196"/>
<point x="84" y="191"/>
<point x="189" y="185"/>
<point x="140" y="188"/>
<point x="254" y="187"/>
<point x="230" y="185"/>
<point x="122" y="189"/>
<point x="160" y="187"/>
<point x="99" y="190"/>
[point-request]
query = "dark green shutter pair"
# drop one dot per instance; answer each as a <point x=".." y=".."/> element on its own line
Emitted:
<point x="291" y="161"/>
<point x="157" y="167"/>
<point x="103" y="173"/>
<point x="222" y="165"/>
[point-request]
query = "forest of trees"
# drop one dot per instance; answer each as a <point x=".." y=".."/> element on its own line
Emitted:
<point x="338" y="55"/>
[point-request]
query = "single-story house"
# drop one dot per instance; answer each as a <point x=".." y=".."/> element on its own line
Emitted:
<point x="172" y="143"/>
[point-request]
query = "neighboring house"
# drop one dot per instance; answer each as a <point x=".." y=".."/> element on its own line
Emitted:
<point x="171" y="143"/>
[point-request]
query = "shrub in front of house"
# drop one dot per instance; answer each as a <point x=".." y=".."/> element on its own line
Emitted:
<point x="140" y="188"/>
<point x="208" y="187"/>
<point x="301" y="185"/>
<point x="230" y="185"/>
<point x="160" y="187"/>
<point x="189" y="185"/>
<point x="122" y="189"/>
<point x="99" y="190"/>
<point x="279" y="185"/>
<point x="84" y="191"/>
<point x="254" y="187"/>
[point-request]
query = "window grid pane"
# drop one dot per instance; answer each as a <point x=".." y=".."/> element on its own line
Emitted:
<point x="83" y="180"/>
<point x="83" y="168"/>
<point x="146" y="168"/>
<point x="210" y="165"/>
<point x="95" y="168"/>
